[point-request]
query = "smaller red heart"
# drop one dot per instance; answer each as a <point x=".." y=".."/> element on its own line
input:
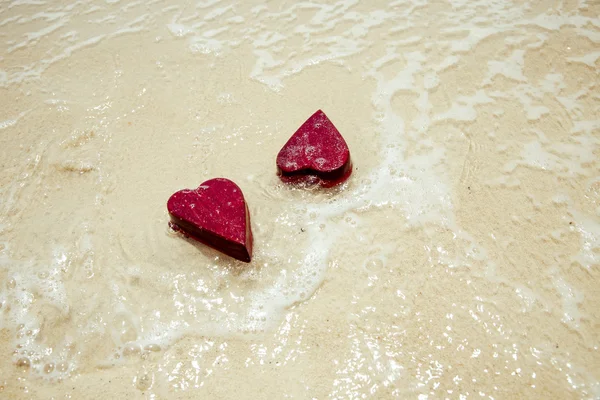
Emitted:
<point x="215" y="214"/>
<point x="316" y="153"/>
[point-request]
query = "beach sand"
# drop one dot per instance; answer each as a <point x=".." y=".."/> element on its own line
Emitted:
<point x="460" y="260"/>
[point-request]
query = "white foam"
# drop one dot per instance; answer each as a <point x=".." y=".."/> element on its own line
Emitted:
<point x="511" y="68"/>
<point x="29" y="281"/>
<point x="571" y="298"/>
<point x="588" y="227"/>
<point x="7" y="123"/>
<point x="13" y="121"/>
<point x="589" y="59"/>
<point x="464" y="108"/>
<point x="34" y="36"/>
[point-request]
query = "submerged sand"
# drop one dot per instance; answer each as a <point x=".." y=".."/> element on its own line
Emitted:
<point x="461" y="259"/>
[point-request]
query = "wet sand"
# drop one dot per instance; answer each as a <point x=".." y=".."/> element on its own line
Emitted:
<point x="460" y="260"/>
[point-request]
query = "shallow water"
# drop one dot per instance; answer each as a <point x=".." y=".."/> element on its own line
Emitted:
<point x="461" y="259"/>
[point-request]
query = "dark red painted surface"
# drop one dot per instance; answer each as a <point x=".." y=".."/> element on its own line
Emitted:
<point x="316" y="153"/>
<point x="215" y="214"/>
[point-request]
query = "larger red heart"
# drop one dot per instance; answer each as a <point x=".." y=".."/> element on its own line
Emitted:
<point x="215" y="214"/>
<point x="316" y="153"/>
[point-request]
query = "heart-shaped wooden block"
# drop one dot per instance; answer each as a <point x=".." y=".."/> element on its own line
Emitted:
<point x="215" y="214"/>
<point x="316" y="154"/>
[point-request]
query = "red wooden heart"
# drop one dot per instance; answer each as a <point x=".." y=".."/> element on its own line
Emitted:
<point x="316" y="153"/>
<point x="215" y="214"/>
